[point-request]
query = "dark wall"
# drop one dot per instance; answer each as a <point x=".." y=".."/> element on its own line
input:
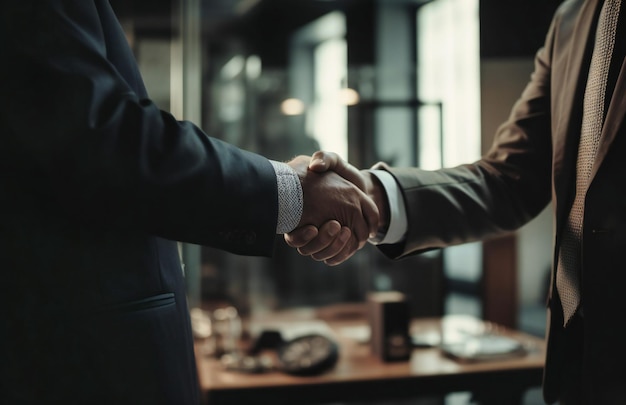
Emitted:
<point x="150" y="18"/>
<point x="514" y="29"/>
<point x="508" y="29"/>
<point x="267" y="28"/>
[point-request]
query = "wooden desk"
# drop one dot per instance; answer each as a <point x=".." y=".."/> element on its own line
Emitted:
<point x="360" y="376"/>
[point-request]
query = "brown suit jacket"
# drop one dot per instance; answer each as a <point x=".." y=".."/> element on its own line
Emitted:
<point x="531" y="163"/>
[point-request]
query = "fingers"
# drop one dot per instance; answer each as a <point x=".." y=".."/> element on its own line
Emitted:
<point x="336" y="247"/>
<point x="308" y="239"/>
<point x="371" y="215"/>
<point x="332" y="243"/>
<point x="347" y="252"/>
<point x="364" y="225"/>
<point x="360" y="230"/>
<point x="301" y="236"/>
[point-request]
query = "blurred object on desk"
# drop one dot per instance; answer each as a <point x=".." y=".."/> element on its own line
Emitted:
<point x="483" y="348"/>
<point x="389" y="323"/>
<point x="219" y="330"/>
<point x="289" y="330"/>
<point x="465" y="338"/>
<point x="302" y="348"/>
<point x="202" y="331"/>
<point x="227" y="329"/>
<point x="342" y="311"/>
<point x="308" y="355"/>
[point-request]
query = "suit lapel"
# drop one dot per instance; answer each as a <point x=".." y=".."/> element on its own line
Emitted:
<point x="567" y="133"/>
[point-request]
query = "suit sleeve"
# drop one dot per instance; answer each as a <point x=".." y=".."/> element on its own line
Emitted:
<point x="80" y="137"/>
<point x="506" y="188"/>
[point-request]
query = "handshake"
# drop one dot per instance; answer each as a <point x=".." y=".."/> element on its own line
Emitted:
<point x="343" y="208"/>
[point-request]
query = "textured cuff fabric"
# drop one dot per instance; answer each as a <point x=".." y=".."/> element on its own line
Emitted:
<point x="290" y="198"/>
<point x="397" y="210"/>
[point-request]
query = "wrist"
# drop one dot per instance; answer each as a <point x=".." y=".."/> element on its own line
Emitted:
<point x="377" y="193"/>
<point x="300" y="165"/>
<point x="290" y="197"/>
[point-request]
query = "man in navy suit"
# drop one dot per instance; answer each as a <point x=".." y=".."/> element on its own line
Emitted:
<point x="96" y="185"/>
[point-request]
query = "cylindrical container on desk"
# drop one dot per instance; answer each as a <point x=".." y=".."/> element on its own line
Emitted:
<point x="389" y="323"/>
<point x="226" y="330"/>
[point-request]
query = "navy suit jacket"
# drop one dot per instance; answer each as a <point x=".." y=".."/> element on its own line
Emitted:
<point x="531" y="163"/>
<point x="96" y="183"/>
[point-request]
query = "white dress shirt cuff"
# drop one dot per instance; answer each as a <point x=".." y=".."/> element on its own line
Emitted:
<point x="397" y="210"/>
<point x="290" y="197"/>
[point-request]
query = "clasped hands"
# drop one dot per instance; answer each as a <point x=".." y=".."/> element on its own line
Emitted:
<point x="343" y="207"/>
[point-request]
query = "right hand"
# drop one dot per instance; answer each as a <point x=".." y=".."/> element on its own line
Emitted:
<point x="343" y="214"/>
<point x="325" y="244"/>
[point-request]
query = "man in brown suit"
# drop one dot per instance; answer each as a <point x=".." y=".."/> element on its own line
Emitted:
<point x="543" y="153"/>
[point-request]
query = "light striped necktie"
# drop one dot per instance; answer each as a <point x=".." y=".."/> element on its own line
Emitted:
<point x="568" y="273"/>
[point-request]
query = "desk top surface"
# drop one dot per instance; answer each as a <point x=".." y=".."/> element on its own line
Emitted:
<point x="358" y="365"/>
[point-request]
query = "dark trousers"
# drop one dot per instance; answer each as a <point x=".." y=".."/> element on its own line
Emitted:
<point x="571" y="376"/>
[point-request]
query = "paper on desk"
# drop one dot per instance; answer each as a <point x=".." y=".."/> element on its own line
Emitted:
<point x="485" y="347"/>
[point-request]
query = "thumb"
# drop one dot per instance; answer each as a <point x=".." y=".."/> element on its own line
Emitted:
<point x="322" y="161"/>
